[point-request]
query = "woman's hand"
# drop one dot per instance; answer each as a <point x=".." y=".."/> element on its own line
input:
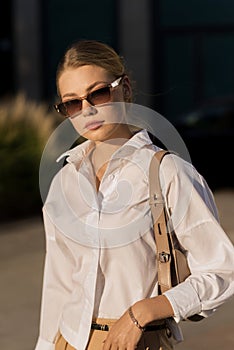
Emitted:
<point x="123" y="335"/>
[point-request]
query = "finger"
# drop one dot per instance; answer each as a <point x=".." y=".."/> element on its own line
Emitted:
<point x="110" y="346"/>
<point x="116" y="347"/>
<point x="131" y="347"/>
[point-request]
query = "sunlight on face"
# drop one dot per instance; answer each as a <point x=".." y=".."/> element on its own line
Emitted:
<point x="99" y="122"/>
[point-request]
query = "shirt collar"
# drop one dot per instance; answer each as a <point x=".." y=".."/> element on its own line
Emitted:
<point x="137" y="141"/>
<point x="77" y="153"/>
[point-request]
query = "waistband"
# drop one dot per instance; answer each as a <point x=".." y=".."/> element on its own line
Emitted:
<point x="104" y="324"/>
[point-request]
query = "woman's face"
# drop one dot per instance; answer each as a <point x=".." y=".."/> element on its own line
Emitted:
<point x="100" y="122"/>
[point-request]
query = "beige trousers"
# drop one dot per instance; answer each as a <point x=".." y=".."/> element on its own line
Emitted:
<point x="155" y="340"/>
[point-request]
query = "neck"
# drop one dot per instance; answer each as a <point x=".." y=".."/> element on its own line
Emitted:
<point x="103" y="152"/>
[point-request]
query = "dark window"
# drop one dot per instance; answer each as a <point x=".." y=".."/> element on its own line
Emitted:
<point x="6" y="48"/>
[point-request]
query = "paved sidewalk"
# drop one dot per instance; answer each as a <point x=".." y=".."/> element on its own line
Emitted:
<point x="21" y="267"/>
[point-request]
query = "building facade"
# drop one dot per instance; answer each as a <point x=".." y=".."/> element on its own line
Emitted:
<point x="179" y="53"/>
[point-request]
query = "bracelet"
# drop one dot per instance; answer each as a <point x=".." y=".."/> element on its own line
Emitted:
<point x="134" y="320"/>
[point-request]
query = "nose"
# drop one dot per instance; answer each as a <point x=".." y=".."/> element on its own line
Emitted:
<point x="88" y="109"/>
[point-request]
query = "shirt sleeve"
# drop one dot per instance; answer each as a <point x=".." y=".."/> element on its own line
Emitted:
<point x="210" y="253"/>
<point x="57" y="285"/>
<point x="44" y="345"/>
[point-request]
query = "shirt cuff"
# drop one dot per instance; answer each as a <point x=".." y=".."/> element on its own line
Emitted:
<point x="43" y="344"/>
<point x="184" y="301"/>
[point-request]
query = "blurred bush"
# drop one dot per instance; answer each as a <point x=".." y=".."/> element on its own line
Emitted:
<point x="25" y="127"/>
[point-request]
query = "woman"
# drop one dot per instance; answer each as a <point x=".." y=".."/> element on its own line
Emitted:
<point x="100" y="280"/>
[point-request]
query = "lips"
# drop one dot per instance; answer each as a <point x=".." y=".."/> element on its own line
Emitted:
<point x="93" y="125"/>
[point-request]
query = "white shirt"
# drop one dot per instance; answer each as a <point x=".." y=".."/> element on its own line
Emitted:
<point x="100" y="255"/>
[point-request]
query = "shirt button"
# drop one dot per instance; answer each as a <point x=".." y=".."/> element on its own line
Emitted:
<point x="112" y="176"/>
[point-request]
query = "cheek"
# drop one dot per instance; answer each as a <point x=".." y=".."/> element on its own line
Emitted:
<point x="78" y="124"/>
<point x="109" y="113"/>
<point x="114" y="112"/>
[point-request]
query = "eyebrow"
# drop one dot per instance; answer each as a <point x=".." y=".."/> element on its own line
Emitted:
<point x="72" y="94"/>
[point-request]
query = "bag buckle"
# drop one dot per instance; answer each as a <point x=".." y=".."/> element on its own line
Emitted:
<point x="164" y="257"/>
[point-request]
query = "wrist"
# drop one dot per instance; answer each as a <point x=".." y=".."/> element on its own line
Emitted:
<point x="134" y="320"/>
<point x="142" y="312"/>
<point x="152" y="309"/>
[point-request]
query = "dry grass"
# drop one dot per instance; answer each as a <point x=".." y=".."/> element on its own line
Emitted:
<point x="17" y="113"/>
<point x="25" y="127"/>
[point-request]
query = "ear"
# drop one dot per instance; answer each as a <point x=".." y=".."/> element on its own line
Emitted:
<point x="127" y="89"/>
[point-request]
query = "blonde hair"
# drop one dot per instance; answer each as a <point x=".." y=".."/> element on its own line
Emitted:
<point x="91" y="52"/>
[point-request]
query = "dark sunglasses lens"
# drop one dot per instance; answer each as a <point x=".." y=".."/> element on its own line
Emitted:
<point x="72" y="107"/>
<point x="61" y="109"/>
<point x="99" y="96"/>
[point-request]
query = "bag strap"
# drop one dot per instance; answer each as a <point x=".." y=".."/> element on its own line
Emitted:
<point x="158" y="210"/>
<point x="163" y="240"/>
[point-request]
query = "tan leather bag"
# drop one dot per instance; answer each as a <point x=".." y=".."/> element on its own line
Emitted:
<point x="171" y="262"/>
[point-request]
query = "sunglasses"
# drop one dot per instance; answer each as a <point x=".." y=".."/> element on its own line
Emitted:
<point x="96" y="97"/>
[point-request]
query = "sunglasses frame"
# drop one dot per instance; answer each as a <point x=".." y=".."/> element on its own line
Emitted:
<point x="60" y="106"/>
